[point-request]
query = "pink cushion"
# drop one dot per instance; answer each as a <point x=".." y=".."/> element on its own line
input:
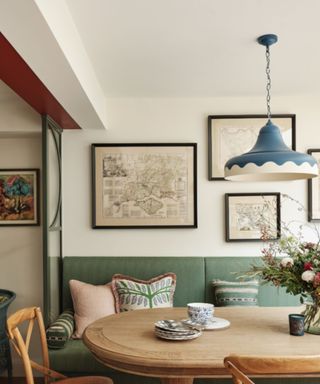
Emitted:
<point x="90" y="303"/>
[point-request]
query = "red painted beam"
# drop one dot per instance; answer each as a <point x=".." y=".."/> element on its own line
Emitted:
<point x="16" y="73"/>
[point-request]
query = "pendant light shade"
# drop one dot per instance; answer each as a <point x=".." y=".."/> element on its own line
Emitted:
<point x="270" y="159"/>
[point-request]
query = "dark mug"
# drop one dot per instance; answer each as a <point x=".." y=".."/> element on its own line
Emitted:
<point x="296" y="324"/>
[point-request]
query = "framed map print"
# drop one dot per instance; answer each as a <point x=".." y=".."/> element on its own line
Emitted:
<point x="232" y="135"/>
<point x="249" y="215"/>
<point x="19" y="197"/>
<point x="314" y="191"/>
<point x="144" y="185"/>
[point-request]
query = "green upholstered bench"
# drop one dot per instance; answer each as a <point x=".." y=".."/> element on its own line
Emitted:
<point x="194" y="276"/>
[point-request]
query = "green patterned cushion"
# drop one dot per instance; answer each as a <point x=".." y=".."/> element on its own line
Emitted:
<point x="60" y="330"/>
<point x="231" y="293"/>
<point x="131" y="293"/>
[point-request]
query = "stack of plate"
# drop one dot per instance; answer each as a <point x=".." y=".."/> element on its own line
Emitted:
<point x="175" y="330"/>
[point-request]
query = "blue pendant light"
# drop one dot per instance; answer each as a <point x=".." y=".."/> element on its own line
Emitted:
<point x="270" y="159"/>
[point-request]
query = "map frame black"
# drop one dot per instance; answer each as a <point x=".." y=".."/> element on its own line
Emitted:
<point x="215" y="126"/>
<point x="108" y="167"/>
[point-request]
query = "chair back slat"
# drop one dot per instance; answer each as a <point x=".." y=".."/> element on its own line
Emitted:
<point x="24" y="355"/>
<point x="19" y="317"/>
<point x="46" y="371"/>
<point x="29" y="333"/>
<point x="238" y="377"/>
<point x="43" y="338"/>
<point x="31" y="315"/>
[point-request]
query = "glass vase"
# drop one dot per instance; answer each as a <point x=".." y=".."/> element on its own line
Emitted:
<point x="312" y="317"/>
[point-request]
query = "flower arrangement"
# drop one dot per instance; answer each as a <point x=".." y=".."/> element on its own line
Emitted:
<point x="294" y="264"/>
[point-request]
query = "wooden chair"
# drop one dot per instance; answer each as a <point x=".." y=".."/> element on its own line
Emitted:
<point x="21" y="345"/>
<point x="241" y="366"/>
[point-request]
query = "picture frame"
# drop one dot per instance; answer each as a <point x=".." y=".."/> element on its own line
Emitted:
<point x="19" y="197"/>
<point x="232" y="135"/>
<point x="144" y="185"/>
<point x="314" y="190"/>
<point x="247" y="215"/>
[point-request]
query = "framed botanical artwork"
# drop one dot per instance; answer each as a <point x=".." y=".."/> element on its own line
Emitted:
<point x="19" y="197"/>
<point x="248" y="216"/>
<point x="144" y="185"/>
<point x="232" y="135"/>
<point x="314" y="191"/>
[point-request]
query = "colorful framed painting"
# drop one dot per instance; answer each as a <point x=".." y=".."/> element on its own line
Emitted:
<point x="19" y="197"/>
<point x="232" y="135"/>
<point x="248" y="216"/>
<point x="314" y="191"/>
<point x="144" y="185"/>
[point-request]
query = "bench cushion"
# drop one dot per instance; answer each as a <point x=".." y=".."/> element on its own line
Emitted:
<point x="132" y="294"/>
<point x="235" y="293"/>
<point x="60" y="331"/>
<point x="228" y="268"/>
<point x="90" y="303"/>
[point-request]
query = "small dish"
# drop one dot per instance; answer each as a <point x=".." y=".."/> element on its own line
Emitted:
<point x="213" y="324"/>
<point x="172" y="326"/>
<point x="176" y="336"/>
<point x="189" y="331"/>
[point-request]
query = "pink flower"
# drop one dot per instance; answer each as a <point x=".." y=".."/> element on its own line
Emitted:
<point x="316" y="280"/>
<point x="308" y="266"/>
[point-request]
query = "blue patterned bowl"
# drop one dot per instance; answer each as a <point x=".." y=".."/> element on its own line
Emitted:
<point x="200" y="313"/>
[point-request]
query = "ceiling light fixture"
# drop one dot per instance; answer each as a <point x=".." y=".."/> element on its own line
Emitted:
<point x="270" y="159"/>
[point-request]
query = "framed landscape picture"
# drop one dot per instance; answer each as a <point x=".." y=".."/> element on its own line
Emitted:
<point x="232" y="135"/>
<point x="144" y="185"/>
<point x="314" y="191"/>
<point x="249" y="215"/>
<point x="19" y="197"/>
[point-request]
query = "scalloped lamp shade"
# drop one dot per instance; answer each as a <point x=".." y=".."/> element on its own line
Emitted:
<point x="271" y="160"/>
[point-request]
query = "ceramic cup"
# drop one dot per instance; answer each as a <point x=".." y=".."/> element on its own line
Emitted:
<point x="200" y="313"/>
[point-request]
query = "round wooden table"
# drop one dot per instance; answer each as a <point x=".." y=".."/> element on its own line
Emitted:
<point x="127" y="342"/>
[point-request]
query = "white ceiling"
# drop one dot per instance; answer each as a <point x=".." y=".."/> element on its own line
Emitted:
<point x="199" y="48"/>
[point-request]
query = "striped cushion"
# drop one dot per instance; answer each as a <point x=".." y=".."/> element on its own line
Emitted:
<point x="231" y="293"/>
<point x="60" y="330"/>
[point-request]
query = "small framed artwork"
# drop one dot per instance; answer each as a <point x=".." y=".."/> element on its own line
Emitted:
<point x="251" y="215"/>
<point x="232" y="135"/>
<point x="314" y="191"/>
<point x="144" y="185"/>
<point x="19" y="197"/>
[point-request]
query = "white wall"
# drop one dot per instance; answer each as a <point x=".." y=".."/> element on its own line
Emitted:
<point x="173" y="120"/>
<point x="21" y="252"/>
<point x="21" y="247"/>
